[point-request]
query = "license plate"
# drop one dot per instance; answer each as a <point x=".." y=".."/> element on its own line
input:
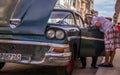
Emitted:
<point x="10" y="57"/>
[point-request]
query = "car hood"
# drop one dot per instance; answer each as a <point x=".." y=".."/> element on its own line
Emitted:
<point x="34" y="15"/>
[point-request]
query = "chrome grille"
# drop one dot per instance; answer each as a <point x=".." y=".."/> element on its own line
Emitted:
<point x="36" y="50"/>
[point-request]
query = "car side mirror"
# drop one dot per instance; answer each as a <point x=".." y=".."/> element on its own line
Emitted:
<point x="14" y="23"/>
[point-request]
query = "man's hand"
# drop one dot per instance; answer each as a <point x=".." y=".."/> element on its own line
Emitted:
<point x="97" y="24"/>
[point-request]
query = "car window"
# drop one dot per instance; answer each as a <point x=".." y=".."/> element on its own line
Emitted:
<point x="79" y="20"/>
<point x="62" y="17"/>
<point x="6" y="9"/>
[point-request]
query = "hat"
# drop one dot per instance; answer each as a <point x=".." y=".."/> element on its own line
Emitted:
<point x="94" y="12"/>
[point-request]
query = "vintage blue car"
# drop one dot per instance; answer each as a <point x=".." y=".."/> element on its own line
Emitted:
<point x="34" y="32"/>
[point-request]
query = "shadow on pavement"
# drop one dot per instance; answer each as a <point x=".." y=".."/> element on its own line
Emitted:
<point x="30" y="71"/>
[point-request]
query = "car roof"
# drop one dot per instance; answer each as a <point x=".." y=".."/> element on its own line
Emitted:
<point x="65" y="9"/>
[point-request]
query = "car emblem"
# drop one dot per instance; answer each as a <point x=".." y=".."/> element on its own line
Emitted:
<point x="14" y="23"/>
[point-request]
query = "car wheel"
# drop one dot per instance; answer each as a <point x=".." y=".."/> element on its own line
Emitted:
<point x="2" y="65"/>
<point x="67" y="70"/>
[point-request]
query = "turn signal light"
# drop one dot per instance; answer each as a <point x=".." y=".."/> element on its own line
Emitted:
<point x="59" y="50"/>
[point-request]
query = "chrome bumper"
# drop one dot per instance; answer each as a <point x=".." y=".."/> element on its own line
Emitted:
<point x="51" y="59"/>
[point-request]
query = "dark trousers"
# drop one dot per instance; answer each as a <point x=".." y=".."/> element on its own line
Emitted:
<point x="83" y="61"/>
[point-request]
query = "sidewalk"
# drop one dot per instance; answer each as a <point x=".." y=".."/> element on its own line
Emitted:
<point x="111" y="71"/>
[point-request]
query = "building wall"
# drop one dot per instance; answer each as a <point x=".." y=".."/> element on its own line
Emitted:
<point x="117" y="10"/>
<point x="82" y="6"/>
<point x="65" y="3"/>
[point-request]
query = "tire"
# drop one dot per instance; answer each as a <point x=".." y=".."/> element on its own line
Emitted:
<point x="2" y="65"/>
<point x="66" y="70"/>
<point x="69" y="68"/>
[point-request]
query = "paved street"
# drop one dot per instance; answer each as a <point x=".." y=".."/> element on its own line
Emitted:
<point x="88" y="70"/>
<point x="19" y="69"/>
<point x="111" y="71"/>
<point x="15" y="69"/>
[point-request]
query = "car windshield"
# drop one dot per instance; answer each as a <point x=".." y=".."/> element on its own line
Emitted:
<point x="7" y="10"/>
<point x="61" y="17"/>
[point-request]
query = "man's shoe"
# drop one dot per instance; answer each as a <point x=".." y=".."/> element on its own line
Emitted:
<point x="94" y="67"/>
<point x="101" y="65"/>
<point x="83" y="67"/>
<point x="105" y="65"/>
<point x="110" y="65"/>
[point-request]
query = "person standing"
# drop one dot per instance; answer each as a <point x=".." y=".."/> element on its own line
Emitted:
<point x="93" y="64"/>
<point x="94" y="58"/>
<point x="111" y="39"/>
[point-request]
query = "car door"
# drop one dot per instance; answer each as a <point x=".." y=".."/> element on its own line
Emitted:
<point x="92" y="43"/>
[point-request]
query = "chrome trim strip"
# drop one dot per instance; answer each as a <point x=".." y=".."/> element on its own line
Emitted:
<point x="68" y="28"/>
<point x="32" y="62"/>
<point x="67" y="54"/>
<point x="44" y="62"/>
<point x="17" y="4"/>
<point x="33" y="43"/>
<point x="46" y="59"/>
<point x="92" y="38"/>
<point x="84" y="37"/>
<point x="73" y="37"/>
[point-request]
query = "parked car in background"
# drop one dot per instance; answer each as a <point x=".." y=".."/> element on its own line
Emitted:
<point x="30" y="34"/>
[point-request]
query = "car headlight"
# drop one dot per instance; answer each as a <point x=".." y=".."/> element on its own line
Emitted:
<point x="60" y="34"/>
<point x="50" y="33"/>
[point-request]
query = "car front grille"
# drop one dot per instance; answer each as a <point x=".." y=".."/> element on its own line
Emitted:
<point x="32" y="50"/>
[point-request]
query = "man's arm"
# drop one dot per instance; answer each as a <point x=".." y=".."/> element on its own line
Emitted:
<point x="95" y="22"/>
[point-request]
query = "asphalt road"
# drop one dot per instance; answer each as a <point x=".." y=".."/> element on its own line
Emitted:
<point x="20" y="69"/>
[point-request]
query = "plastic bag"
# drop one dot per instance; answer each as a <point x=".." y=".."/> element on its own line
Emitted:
<point x="118" y="27"/>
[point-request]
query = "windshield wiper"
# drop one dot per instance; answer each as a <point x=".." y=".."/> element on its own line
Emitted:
<point x="62" y="21"/>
